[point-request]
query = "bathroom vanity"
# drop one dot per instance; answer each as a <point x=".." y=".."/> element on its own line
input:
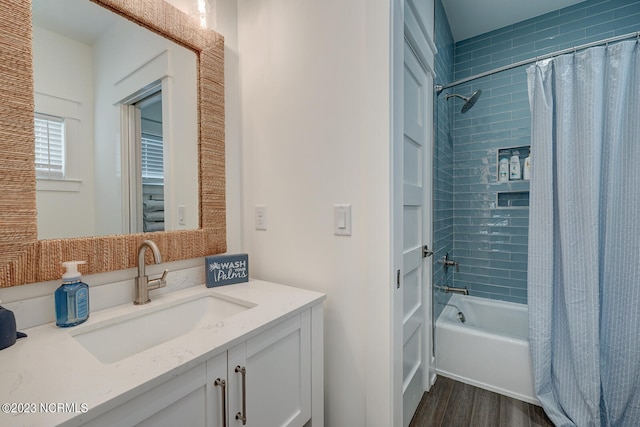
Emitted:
<point x="245" y="354"/>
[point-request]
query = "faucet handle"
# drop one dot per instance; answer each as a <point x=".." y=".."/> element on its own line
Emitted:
<point x="159" y="282"/>
<point x="448" y="262"/>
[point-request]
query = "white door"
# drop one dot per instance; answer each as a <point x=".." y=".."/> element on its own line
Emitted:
<point x="416" y="231"/>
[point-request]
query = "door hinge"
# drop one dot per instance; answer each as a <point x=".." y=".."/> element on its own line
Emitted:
<point x="426" y="252"/>
<point x="398" y="279"/>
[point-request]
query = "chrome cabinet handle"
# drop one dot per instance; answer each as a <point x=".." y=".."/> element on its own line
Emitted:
<point x="223" y="385"/>
<point x="243" y="414"/>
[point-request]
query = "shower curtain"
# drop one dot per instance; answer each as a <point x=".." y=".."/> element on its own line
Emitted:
<point x="584" y="236"/>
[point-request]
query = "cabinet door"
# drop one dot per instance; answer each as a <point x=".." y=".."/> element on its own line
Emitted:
<point x="277" y="375"/>
<point x="180" y="401"/>
<point x="217" y="386"/>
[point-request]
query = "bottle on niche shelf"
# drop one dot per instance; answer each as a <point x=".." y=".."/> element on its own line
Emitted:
<point x="503" y="170"/>
<point x="526" y="170"/>
<point x="514" y="170"/>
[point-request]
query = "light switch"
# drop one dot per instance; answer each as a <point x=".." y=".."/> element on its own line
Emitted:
<point x="342" y="220"/>
<point x="181" y="215"/>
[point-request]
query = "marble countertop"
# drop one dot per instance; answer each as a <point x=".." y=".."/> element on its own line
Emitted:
<point x="50" y="379"/>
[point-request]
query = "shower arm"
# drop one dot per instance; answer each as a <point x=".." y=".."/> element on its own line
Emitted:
<point x="451" y="95"/>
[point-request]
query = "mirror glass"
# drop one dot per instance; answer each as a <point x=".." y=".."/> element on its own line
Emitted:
<point x="123" y="100"/>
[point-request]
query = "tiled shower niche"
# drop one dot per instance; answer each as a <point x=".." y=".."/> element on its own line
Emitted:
<point x="522" y="153"/>
<point x="514" y="198"/>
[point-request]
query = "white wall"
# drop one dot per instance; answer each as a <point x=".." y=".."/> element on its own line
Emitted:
<point x="227" y="25"/>
<point x="63" y="87"/>
<point x="315" y="131"/>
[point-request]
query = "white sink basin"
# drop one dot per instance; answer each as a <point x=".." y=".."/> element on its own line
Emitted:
<point x="115" y="339"/>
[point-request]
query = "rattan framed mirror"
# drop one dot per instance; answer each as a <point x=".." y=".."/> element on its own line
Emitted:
<point x="25" y="259"/>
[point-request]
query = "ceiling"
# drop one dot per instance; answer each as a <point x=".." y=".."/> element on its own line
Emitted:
<point x="469" y="18"/>
<point x="76" y="19"/>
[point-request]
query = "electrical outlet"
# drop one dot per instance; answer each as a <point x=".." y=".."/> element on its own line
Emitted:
<point x="261" y="217"/>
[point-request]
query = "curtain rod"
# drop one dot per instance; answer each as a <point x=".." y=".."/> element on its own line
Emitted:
<point x="440" y="88"/>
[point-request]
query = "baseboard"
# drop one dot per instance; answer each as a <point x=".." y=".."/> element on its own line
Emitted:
<point x="489" y="387"/>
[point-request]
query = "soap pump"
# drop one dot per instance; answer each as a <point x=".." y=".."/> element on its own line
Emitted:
<point x="72" y="298"/>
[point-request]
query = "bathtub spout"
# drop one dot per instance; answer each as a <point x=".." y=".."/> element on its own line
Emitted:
<point x="463" y="291"/>
<point x="461" y="317"/>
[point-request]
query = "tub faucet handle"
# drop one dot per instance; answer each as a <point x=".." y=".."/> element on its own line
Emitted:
<point x="448" y="262"/>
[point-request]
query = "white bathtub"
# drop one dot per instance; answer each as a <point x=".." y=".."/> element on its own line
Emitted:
<point x="490" y="350"/>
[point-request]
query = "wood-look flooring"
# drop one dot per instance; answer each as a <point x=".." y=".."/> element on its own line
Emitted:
<point x="451" y="403"/>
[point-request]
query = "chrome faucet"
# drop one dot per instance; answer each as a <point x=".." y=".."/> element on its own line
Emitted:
<point x="143" y="284"/>
<point x="463" y="291"/>
<point x="448" y="262"/>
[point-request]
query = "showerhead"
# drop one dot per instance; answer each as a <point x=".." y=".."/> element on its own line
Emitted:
<point x="471" y="101"/>
<point x="468" y="102"/>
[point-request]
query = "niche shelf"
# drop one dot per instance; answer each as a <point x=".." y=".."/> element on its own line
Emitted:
<point x="512" y="199"/>
<point x="522" y="152"/>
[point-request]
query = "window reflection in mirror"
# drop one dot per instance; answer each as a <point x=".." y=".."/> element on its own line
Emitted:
<point x="88" y="63"/>
<point x="50" y="147"/>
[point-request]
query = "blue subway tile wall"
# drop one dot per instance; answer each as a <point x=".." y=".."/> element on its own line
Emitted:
<point x="490" y="243"/>
<point x="442" y="159"/>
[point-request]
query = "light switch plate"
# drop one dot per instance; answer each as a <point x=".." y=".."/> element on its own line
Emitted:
<point x="342" y="219"/>
<point x="181" y="215"/>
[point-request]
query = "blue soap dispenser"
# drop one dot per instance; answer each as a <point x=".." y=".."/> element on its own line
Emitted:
<point x="72" y="298"/>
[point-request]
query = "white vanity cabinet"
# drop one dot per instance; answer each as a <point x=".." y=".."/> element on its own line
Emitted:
<point x="265" y="378"/>
<point x="181" y="401"/>
<point x="276" y="365"/>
